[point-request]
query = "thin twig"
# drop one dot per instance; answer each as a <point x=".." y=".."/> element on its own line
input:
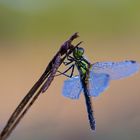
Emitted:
<point x="46" y="85"/>
<point x="49" y="73"/>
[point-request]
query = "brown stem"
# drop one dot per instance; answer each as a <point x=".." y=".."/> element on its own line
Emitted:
<point x="49" y="73"/>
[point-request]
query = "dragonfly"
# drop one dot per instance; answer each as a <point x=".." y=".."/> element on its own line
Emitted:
<point x="93" y="79"/>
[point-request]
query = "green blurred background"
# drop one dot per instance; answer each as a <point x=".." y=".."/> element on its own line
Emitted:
<point x="31" y="32"/>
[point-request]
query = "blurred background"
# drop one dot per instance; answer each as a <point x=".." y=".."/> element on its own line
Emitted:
<point x="31" y="32"/>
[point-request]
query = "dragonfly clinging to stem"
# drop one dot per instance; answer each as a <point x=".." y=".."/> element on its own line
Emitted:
<point x="93" y="79"/>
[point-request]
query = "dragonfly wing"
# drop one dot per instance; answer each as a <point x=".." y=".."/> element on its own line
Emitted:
<point x="116" y="70"/>
<point x="72" y="88"/>
<point x="98" y="82"/>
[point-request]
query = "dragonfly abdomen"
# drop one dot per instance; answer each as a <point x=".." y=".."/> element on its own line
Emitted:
<point x="88" y="105"/>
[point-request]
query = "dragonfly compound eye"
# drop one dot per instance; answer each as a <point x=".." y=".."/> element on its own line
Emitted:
<point x="80" y="51"/>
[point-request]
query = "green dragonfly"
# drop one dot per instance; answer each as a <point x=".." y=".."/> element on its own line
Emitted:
<point x="93" y="79"/>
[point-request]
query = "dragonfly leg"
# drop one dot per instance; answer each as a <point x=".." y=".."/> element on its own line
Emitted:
<point x="70" y="60"/>
<point x="64" y="73"/>
<point x="72" y="71"/>
<point x="78" y="44"/>
<point x="67" y="63"/>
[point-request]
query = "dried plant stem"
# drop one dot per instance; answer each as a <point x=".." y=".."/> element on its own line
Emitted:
<point x="48" y="82"/>
<point x="46" y="78"/>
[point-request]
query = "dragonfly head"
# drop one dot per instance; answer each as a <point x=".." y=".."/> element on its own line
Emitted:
<point x="78" y="52"/>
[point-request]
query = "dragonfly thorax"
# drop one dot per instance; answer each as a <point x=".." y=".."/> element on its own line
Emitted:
<point x="78" y="52"/>
<point x="81" y="63"/>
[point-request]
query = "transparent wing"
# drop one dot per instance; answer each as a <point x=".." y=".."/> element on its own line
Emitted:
<point x="98" y="82"/>
<point x="72" y="88"/>
<point x="116" y="70"/>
